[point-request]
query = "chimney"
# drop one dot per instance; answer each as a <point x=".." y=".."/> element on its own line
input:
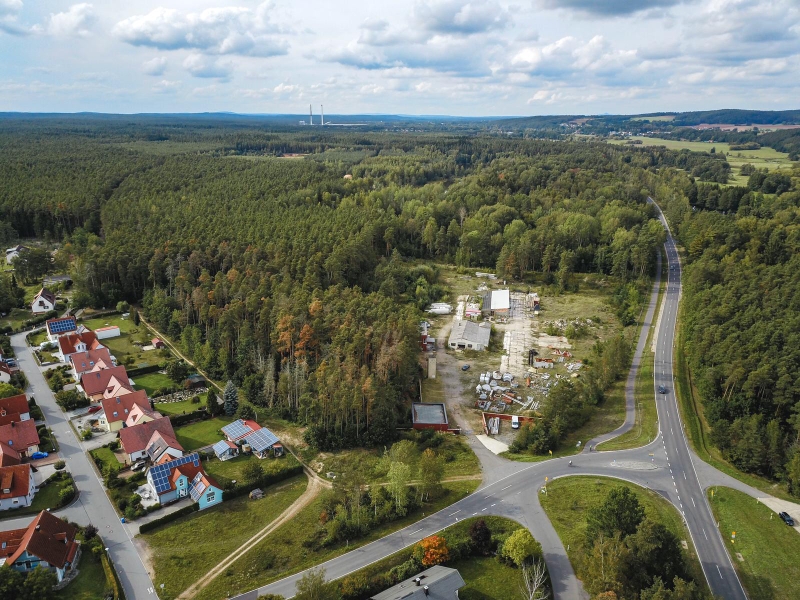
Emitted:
<point x="38" y="527"/>
<point x="426" y="590"/>
<point x="322" y="115"/>
<point x="417" y="580"/>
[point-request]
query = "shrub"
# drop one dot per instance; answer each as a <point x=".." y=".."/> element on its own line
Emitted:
<point x="87" y="434"/>
<point x="195" y="399"/>
<point x="71" y="399"/>
<point x="59" y="465"/>
<point x="89" y="532"/>
<point x="520" y="548"/>
<point x="66" y="495"/>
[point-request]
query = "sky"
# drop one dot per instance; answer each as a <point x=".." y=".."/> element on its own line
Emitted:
<point x="442" y="57"/>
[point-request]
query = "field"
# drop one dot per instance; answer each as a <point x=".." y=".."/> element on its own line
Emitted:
<point x="568" y="500"/>
<point x="90" y="584"/>
<point x="769" y="548"/>
<point x="232" y="470"/>
<point x="123" y="347"/>
<point x="172" y="408"/>
<point x="654" y="119"/>
<point x="201" y="434"/>
<point x="152" y="382"/>
<point x="186" y="549"/>
<point x="104" y="455"/>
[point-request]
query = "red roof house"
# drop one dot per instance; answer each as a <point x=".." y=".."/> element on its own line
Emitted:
<point x="47" y="541"/>
<point x="91" y="360"/>
<point x="20" y="436"/>
<point x="8" y="456"/>
<point x="106" y="383"/>
<point x="16" y="487"/>
<point x="135" y="439"/>
<point x="77" y="342"/>
<point x="15" y="405"/>
<point x="117" y="409"/>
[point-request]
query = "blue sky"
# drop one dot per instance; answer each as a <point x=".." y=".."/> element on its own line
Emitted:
<point x="458" y="57"/>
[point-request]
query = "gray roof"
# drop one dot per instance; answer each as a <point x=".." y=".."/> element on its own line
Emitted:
<point x="443" y="584"/>
<point x="424" y="412"/>
<point x="468" y="332"/>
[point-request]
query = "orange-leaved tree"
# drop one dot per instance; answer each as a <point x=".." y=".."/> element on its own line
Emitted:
<point x="431" y="551"/>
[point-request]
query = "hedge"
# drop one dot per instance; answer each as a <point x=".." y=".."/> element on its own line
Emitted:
<point x="197" y="415"/>
<point x="112" y="579"/>
<point x="186" y="510"/>
<point x="143" y="370"/>
<point x="265" y="481"/>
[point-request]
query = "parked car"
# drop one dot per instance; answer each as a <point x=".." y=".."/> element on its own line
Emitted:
<point x="38" y="455"/>
<point x="514" y="422"/>
<point x="787" y="518"/>
<point x="137" y="466"/>
<point x="94" y="409"/>
<point x="662" y="389"/>
<point x="465" y="367"/>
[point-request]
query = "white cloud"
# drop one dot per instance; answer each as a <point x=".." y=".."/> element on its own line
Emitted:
<point x="10" y="7"/>
<point x="609" y="8"/>
<point x="166" y="86"/>
<point x="202" y="66"/>
<point x="78" y="20"/>
<point x="155" y="66"/>
<point x="460" y="16"/>
<point x="228" y="30"/>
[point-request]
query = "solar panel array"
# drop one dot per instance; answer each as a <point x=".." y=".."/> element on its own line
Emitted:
<point x="261" y="440"/>
<point x="220" y="447"/>
<point x="237" y="429"/>
<point x="197" y="487"/>
<point x="61" y="326"/>
<point x="160" y="473"/>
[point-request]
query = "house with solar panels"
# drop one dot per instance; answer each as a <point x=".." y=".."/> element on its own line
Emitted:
<point x="184" y="477"/>
<point x="250" y="436"/>
<point x="61" y="326"/>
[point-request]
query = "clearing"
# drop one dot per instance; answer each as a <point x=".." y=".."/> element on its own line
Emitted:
<point x="203" y="433"/>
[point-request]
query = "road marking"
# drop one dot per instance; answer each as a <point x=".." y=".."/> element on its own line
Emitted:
<point x="150" y="590"/>
<point x="720" y="572"/>
<point x="693" y="504"/>
<point x="473" y="514"/>
<point x="684" y="474"/>
<point x="505" y="488"/>
<point x="485" y="507"/>
<point x="704" y="532"/>
<point x="451" y="514"/>
<point x="413" y="532"/>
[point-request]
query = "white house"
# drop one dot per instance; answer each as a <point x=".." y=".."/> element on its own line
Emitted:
<point x="16" y="487"/>
<point x="44" y="301"/>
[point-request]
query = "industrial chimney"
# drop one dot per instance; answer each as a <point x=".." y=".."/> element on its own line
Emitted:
<point x="322" y="115"/>
<point x="310" y="115"/>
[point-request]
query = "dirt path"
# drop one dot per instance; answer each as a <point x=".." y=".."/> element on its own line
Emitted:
<point x="314" y="488"/>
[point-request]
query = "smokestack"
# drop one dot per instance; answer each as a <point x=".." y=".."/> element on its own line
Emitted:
<point x="425" y="589"/>
<point x="310" y="115"/>
<point x="322" y="115"/>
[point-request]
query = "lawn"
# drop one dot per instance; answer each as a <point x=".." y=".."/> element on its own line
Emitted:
<point x="487" y="579"/>
<point x="283" y="552"/>
<point x="152" y="382"/>
<point x="173" y="408"/>
<point x="46" y="497"/>
<point x="568" y="500"/>
<point x="91" y="583"/>
<point x="104" y="455"/>
<point x="230" y="470"/>
<point x="770" y="569"/>
<point x="186" y="549"/>
<point x="38" y="338"/>
<point x="203" y="433"/>
<point x="122" y="347"/>
<point x="16" y="318"/>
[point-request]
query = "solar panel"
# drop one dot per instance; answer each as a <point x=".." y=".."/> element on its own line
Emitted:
<point x="261" y="440"/>
<point x="197" y="487"/>
<point x="220" y="447"/>
<point x="61" y="325"/>
<point x="160" y="473"/>
<point x="237" y="429"/>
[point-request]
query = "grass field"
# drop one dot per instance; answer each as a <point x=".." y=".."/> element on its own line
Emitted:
<point x="769" y="548"/>
<point x="568" y="500"/>
<point x="202" y="433"/>
<point x="122" y="346"/>
<point x="106" y="456"/>
<point x="186" y="549"/>
<point x="16" y="318"/>
<point x="230" y="470"/>
<point x="283" y="552"/>
<point x="152" y="382"/>
<point x="172" y="408"/>
<point x="90" y="584"/>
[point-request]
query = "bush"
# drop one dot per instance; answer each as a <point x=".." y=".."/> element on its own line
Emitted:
<point x="59" y="465"/>
<point x="86" y="434"/>
<point x="89" y="532"/>
<point x="197" y="415"/>
<point x="66" y="495"/>
<point x="195" y="399"/>
<point x="71" y="399"/>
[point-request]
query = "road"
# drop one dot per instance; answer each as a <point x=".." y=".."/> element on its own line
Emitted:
<point x="92" y="505"/>
<point x="666" y="466"/>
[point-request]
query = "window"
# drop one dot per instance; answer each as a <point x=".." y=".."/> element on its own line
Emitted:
<point x="210" y="496"/>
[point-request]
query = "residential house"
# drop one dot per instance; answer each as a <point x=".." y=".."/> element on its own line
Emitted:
<point x="163" y="447"/>
<point x="260" y="439"/>
<point x="15" y="405"/>
<point x="225" y="449"/>
<point x="16" y="487"/>
<point x="107" y="332"/>
<point x="139" y="415"/>
<point x="48" y="542"/>
<point x="90" y="360"/>
<point x="12" y="253"/>
<point x="60" y="326"/>
<point x="194" y="382"/>
<point x="106" y="383"/>
<point x="436" y="583"/>
<point x="239" y="429"/>
<point x="8" y="456"/>
<point x="117" y="409"/>
<point x="497" y="303"/>
<point x="74" y="342"/>
<point x="44" y="301"/>
<point x="136" y="439"/>
<point x="467" y="335"/>
<point x="184" y="477"/>
<point x="20" y="436"/>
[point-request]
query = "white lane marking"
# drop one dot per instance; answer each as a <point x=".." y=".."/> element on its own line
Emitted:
<point x="484" y="508"/>
<point x="150" y="590"/>
<point x="492" y="504"/>
<point x="704" y="532"/>
<point x="720" y="572"/>
<point x="451" y="514"/>
<point x="505" y="488"/>
<point x="684" y="474"/>
<point x="413" y="532"/>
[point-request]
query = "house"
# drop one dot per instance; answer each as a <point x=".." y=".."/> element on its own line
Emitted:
<point x="12" y="253"/>
<point x="436" y="583"/>
<point x="163" y="448"/>
<point x="426" y="415"/>
<point x="20" y="436"/>
<point x="48" y="542"/>
<point x="16" y="487"/>
<point x="60" y="326"/>
<point x="107" y="332"/>
<point x="260" y="439"/>
<point x="225" y="449"/>
<point x="15" y="405"/>
<point x="136" y="439"/>
<point x="106" y="383"/>
<point x="141" y="415"/>
<point x="497" y="303"/>
<point x="8" y="456"/>
<point x="117" y="409"/>
<point x="74" y="342"/>
<point x="466" y="335"/>
<point x="44" y="301"/>
<point x="157" y="343"/>
<point x="184" y="477"/>
<point x="91" y="360"/>
<point x="239" y="429"/>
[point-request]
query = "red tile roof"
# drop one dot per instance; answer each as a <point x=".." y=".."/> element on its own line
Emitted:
<point x="68" y="342"/>
<point x="20" y="435"/>
<point x="135" y="439"/>
<point x="8" y="456"/>
<point x="10" y="418"/>
<point x="16" y="479"/>
<point x="86" y="361"/>
<point x="122" y="405"/>
<point x="99" y="381"/>
<point x="47" y="537"/>
<point x="14" y="404"/>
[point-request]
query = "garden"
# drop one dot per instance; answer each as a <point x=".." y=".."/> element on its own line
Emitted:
<point x="55" y="492"/>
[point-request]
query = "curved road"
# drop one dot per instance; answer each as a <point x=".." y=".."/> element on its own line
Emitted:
<point x="666" y="465"/>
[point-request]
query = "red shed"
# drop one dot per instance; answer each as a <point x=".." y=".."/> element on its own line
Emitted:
<point x="429" y="416"/>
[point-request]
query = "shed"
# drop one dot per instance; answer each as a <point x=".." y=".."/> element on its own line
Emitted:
<point x="466" y="335"/>
<point x="157" y="343"/>
<point x="429" y="416"/>
<point x="256" y="494"/>
<point x="497" y="303"/>
<point x="107" y="332"/>
<point x="225" y="449"/>
<point x="194" y="381"/>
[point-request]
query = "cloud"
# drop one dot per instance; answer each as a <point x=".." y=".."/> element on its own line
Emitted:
<point x="201" y="66"/>
<point x="228" y="30"/>
<point x="10" y="7"/>
<point x="460" y="17"/>
<point x="155" y="66"/>
<point x="76" y="21"/>
<point x="609" y="8"/>
<point x="166" y="86"/>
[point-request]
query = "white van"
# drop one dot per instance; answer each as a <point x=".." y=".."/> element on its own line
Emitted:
<point x="514" y="422"/>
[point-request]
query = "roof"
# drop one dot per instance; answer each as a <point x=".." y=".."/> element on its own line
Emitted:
<point x="137" y="413"/>
<point x="164" y="477"/>
<point x="47" y="537"/>
<point x="222" y="446"/>
<point x="95" y="359"/>
<point x="159" y="442"/>
<point x="240" y="429"/>
<point x="196" y="378"/>
<point x="68" y="343"/>
<point x="469" y="332"/>
<point x="122" y="405"/>
<point x="16" y="479"/>
<point x="199" y="483"/>
<point x="429" y="413"/>
<point x="442" y="583"/>
<point x="108" y="328"/>
<point x="497" y="300"/>
<point x="14" y="404"/>
<point x="19" y="435"/>
<point x="135" y="439"/>
<point x="61" y="325"/>
<point x="101" y="381"/>
<point x="155" y="341"/>
<point x="45" y="294"/>
<point x="8" y="456"/>
<point x="261" y="439"/>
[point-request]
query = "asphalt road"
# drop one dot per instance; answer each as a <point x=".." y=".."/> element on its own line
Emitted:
<point x="92" y="506"/>
<point x="666" y="466"/>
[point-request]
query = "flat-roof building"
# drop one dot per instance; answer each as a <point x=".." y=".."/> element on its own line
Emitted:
<point x="429" y="416"/>
<point x="497" y="303"/>
<point x="467" y="335"/>
<point x="436" y="583"/>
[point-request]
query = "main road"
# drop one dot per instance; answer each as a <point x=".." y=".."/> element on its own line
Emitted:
<point x="666" y="465"/>
<point x="93" y="505"/>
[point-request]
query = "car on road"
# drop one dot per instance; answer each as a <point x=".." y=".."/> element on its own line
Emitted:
<point x="38" y="455"/>
<point x="465" y="367"/>
<point x="662" y="389"/>
<point x="787" y="518"/>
